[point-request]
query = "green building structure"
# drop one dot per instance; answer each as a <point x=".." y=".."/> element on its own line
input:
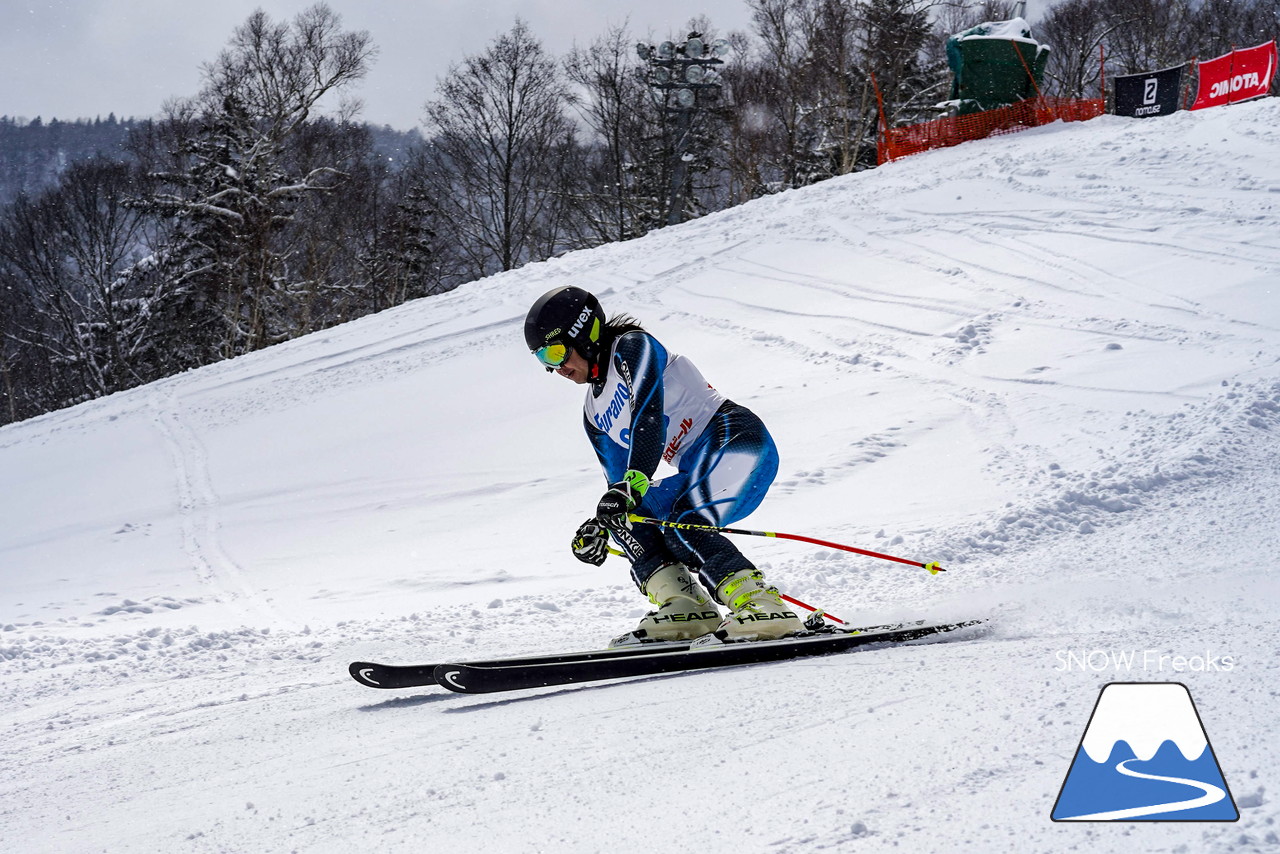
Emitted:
<point x="994" y="65"/>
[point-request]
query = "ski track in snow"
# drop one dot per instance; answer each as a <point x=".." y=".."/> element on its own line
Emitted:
<point x="1050" y="361"/>
<point x="198" y="507"/>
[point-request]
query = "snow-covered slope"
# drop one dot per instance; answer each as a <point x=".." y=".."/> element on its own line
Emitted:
<point x="1049" y="361"/>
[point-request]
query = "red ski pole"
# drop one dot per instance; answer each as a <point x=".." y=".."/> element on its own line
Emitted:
<point x="932" y="567"/>
<point x="832" y="617"/>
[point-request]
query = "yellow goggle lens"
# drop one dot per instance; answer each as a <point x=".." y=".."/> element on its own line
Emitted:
<point x="552" y="355"/>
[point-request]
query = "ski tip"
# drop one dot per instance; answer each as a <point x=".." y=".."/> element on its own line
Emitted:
<point x="453" y="677"/>
<point x="364" y="673"/>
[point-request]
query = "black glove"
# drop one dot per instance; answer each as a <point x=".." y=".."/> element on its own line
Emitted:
<point x="621" y="499"/>
<point x="591" y="543"/>
<point x="616" y="504"/>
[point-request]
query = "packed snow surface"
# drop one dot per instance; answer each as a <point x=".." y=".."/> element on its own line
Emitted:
<point x="1050" y="361"/>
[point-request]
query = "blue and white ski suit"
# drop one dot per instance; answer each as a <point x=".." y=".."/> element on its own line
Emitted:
<point x="650" y="404"/>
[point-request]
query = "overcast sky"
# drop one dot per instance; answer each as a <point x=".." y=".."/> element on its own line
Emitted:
<point x="71" y="59"/>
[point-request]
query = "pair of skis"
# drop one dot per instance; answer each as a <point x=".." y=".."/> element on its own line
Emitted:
<point x="647" y="659"/>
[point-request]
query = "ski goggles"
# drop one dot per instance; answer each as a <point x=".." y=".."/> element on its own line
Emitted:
<point x="552" y="355"/>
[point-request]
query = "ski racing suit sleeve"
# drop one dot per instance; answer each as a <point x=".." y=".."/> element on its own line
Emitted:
<point x="640" y="361"/>
<point x="613" y="458"/>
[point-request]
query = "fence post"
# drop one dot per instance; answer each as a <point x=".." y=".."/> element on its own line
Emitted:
<point x="883" y="152"/>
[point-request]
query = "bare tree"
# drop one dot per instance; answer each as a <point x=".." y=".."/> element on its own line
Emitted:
<point x="786" y="81"/>
<point x="1075" y="32"/>
<point x="12" y="361"/>
<point x="498" y="123"/>
<point x="849" y="113"/>
<point x="1217" y="26"/>
<point x="72" y="257"/>
<point x="1146" y="35"/>
<point x="752" y="150"/>
<point x="894" y="34"/>
<point x="279" y="72"/>
<point x="615" y="106"/>
<point x="816" y="69"/>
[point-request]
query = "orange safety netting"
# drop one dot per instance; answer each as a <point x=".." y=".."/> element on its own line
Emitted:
<point x="940" y="133"/>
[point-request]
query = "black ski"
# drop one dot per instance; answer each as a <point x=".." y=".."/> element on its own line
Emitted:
<point x="488" y="677"/>
<point x="377" y="675"/>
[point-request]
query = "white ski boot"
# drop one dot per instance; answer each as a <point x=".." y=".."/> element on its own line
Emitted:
<point x="757" y="611"/>
<point x="684" y="612"/>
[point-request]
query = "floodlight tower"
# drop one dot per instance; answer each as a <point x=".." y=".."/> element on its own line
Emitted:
<point x="683" y="79"/>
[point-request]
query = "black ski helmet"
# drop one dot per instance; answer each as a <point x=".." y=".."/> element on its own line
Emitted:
<point x="567" y="315"/>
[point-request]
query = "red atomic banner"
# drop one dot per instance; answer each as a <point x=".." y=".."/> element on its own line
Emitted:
<point x="1236" y="76"/>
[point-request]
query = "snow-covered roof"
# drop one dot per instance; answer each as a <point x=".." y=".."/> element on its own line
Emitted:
<point x="1014" y="29"/>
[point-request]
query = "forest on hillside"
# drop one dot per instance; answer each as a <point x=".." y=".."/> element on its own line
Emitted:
<point x="245" y="215"/>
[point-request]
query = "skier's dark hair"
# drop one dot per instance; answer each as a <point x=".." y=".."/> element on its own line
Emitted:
<point x="621" y="324"/>
<point x="614" y="328"/>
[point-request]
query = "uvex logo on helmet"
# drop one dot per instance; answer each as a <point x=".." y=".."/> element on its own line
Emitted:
<point x="577" y="324"/>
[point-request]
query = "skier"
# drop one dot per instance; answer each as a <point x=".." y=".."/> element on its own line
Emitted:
<point x="645" y="403"/>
